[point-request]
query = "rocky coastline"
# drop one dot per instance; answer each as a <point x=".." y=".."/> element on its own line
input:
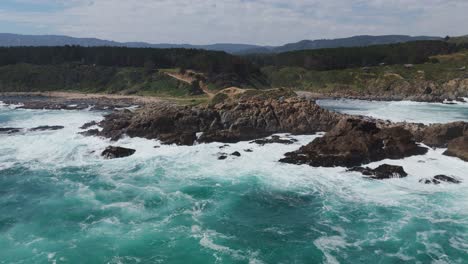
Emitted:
<point x="350" y="141"/>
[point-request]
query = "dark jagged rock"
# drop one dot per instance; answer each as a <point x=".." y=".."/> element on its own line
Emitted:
<point x="222" y="156"/>
<point x="236" y="153"/>
<point x="248" y="150"/>
<point x="439" y="179"/>
<point x="90" y="133"/>
<point x="274" y="139"/>
<point x="439" y="135"/>
<point x="47" y="128"/>
<point x="9" y="130"/>
<point x="88" y="125"/>
<point x="354" y="142"/>
<point x="382" y="172"/>
<point x="228" y="122"/>
<point x="112" y="152"/>
<point x="445" y="178"/>
<point x="178" y="138"/>
<point x="458" y="148"/>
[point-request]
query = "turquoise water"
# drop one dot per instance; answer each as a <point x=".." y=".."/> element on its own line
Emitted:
<point x="417" y="112"/>
<point x="61" y="203"/>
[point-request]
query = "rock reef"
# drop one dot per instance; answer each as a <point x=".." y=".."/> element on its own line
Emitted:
<point x="354" y="142"/>
<point x="382" y="172"/>
<point x="113" y="152"/>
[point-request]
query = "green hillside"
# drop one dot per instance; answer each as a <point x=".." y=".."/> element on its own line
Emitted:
<point x="84" y="78"/>
<point x="438" y="70"/>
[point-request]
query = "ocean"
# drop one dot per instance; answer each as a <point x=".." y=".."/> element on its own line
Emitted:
<point x="60" y="202"/>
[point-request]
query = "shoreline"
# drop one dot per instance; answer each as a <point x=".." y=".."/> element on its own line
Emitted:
<point x="380" y="98"/>
<point x="58" y="96"/>
<point x="81" y="96"/>
<point x="257" y="117"/>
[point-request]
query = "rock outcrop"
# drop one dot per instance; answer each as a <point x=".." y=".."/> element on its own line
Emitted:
<point x="354" y="142"/>
<point x="226" y="122"/>
<point x="112" y="152"/>
<point x="458" y="148"/>
<point x="90" y="133"/>
<point x="439" y="135"/>
<point x="88" y="125"/>
<point x="382" y="172"/>
<point x="440" y="179"/>
<point x="47" y="128"/>
<point x="273" y="140"/>
<point x="9" y="130"/>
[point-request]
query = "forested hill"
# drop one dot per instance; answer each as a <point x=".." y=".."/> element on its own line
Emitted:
<point x="151" y="71"/>
<point x="219" y="67"/>
<point x="340" y="58"/>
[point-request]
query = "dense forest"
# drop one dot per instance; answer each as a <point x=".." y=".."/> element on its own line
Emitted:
<point x="220" y="68"/>
<point x="340" y="58"/>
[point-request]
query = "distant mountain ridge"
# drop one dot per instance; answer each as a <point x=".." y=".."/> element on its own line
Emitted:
<point x="14" y="40"/>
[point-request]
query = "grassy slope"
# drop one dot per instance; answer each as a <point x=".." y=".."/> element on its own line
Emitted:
<point x="31" y="78"/>
<point x="359" y="80"/>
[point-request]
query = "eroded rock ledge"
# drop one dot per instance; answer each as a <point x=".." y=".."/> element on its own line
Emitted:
<point x="227" y="122"/>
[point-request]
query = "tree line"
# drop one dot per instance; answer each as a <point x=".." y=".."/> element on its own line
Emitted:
<point x="340" y="58"/>
<point x="219" y="66"/>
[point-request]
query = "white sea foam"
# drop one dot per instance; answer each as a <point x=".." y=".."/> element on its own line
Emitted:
<point x="54" y="150"/>
<point x="419" y="112"/>
<point x="64" y="148"/>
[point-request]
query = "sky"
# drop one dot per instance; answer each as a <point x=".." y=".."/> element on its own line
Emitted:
<point x="265" y="22"/>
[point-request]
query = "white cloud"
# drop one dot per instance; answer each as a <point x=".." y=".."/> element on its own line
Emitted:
<point x="246" y="21"/>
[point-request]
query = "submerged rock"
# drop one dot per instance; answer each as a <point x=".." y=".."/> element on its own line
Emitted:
<point x="439" y="179"/>
<point x="382" y="172"/>
<point x="112" y="152"/>
<point x="9" y="130"/>
<point x="274" y="139"/>
<point x="47" y="128"/>
<point x="458" y="148"/>
<point x="354" y="142"/>
<point x="222" y="156"/>
<point x="236" y="153"/>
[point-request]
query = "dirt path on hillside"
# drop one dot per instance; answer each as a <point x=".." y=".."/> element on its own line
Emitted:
<point x="190" y="80"/>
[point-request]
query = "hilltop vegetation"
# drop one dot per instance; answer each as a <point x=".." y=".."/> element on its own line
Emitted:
<point x="219" y="68"/>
